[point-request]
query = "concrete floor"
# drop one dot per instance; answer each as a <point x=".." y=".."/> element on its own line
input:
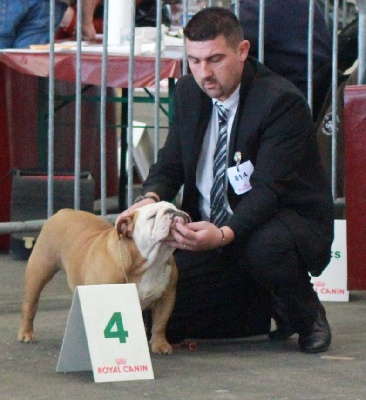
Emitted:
<point x="249" y="368"/>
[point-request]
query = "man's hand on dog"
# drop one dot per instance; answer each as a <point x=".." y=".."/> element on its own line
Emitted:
<point x="197" y="236"/>
<point x="120" y="225"/>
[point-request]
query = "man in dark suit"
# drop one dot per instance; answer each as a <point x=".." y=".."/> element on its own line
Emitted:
<point x="277" y="223"/>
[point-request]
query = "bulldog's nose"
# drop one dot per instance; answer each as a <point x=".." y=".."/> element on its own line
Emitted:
<point x="184" y="215"/>
<point x="178" y="213"/>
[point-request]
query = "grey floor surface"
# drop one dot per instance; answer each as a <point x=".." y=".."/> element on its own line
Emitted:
<point x="251" y="368"/>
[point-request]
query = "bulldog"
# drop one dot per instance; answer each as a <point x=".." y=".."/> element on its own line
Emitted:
<point x="92" y="252"/>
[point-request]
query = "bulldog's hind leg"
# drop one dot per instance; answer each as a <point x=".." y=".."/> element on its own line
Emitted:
<point x="40" y="270"/>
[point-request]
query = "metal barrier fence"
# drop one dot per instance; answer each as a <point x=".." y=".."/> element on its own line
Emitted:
<point x="336" y="16"/>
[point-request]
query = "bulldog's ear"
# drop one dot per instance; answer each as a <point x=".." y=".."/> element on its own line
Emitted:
<point x="126" y="225"/>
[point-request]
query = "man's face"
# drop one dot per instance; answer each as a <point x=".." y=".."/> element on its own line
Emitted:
<point x="217" y="67"/>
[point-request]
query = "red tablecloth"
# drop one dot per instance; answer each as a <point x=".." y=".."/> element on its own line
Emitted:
<point x="37" y="64"/>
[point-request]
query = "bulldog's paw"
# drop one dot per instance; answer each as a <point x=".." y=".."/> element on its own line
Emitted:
<point x="26" y="337"/>
<point x="161" y="347"/>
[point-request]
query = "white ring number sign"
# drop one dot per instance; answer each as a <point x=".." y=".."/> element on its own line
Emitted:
<point x="105" y="333"/>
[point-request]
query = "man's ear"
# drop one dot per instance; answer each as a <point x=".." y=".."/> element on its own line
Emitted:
<point x="126" y="225"/>
<point x="244" y="49"/>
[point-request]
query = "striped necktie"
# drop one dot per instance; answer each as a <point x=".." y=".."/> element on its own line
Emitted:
<point x="218" y="212"/>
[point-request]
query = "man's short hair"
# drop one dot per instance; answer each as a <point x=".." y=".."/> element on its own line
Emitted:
<point x="211" y="22"/>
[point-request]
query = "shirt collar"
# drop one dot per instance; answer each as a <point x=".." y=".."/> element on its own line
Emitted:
<point x="231" y="102"/>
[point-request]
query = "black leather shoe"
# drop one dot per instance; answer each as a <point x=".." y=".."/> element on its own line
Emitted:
<point x="320" y="336"/>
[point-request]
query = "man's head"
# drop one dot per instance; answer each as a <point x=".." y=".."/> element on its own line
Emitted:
<point x="216" y="51"/>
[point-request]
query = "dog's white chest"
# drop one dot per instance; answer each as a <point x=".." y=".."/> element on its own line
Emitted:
<point x="152" y="285"/>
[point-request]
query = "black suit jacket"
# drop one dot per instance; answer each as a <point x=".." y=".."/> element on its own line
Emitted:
<point x="273" y="129"/>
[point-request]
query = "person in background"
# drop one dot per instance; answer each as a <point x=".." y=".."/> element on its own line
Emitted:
<point x="92" y="17"/>
<point x="23" y="23"/>
<point x="243" y="145"/>
<point x="348" y="75"/>
<point x="286" y="43"/>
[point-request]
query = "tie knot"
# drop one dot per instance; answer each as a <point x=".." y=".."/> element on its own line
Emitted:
<point x="222" y="112"/>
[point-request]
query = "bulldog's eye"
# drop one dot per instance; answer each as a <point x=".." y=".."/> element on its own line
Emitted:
<point x="152" y="216"/>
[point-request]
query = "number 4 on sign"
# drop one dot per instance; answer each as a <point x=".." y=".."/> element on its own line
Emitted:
<point x="98" y="314"/>
<point x="119" y="333"/>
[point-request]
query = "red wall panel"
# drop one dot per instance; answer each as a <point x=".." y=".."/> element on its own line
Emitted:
<point x="20" y="142"/>
<point x="5" y="180"/>
<point x="355" y="164"/>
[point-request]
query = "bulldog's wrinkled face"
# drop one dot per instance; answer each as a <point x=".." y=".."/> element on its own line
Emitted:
<point x="150" y="225"/>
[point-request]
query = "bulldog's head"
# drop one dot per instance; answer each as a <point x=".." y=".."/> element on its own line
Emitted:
<point x="149" y="225"/>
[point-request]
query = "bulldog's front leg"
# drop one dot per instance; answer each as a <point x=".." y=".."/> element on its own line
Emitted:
<point x="161" y="312"/>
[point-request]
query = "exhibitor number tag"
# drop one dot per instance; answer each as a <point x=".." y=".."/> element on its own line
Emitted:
<point x="239" y="177"/>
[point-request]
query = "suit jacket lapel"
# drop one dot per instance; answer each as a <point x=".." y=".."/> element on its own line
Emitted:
<point x="202" y="122"/>
<point x="248" y="72"/>
<point x="202" y="114"/>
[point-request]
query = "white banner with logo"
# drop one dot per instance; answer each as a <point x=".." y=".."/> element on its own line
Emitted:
<point x="331" y="285"/>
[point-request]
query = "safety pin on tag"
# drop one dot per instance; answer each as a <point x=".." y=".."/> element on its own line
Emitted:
<point x="237" y="159"/>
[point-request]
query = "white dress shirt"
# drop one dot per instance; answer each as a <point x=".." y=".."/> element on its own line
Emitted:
<point x="204" y="173"/>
